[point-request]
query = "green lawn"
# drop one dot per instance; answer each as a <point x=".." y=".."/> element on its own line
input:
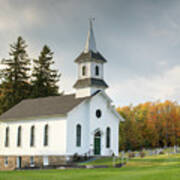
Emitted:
<point x="150" y="168"/>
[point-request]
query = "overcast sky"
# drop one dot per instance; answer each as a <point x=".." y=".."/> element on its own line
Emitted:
<point x="139" y="38"/>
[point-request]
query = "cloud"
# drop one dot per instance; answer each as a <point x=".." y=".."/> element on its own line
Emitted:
<point x="141" y="89"/>
<point x="139" y="38"/>
<point x="15" y="19"/>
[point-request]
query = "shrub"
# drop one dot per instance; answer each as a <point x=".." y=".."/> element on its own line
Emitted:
<point x="76" y="157"/>
<point x="162" y="152"/>
<point x="131" y="155"/>
<point x="85" y="157"/>
<point x="80" y="158"/>
<point x="142" y="154"/>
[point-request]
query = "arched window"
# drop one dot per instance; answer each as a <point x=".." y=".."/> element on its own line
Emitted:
<point x="78" y="135"/>
<point x="84" y="70"/>
<point x="97" y="70"/>
<point x="108" y="137"/>
<point x="32" y="136"/>
<point x="7" y="137"/>
<point x="19" y="136"/>
<point x="46" y="134"/>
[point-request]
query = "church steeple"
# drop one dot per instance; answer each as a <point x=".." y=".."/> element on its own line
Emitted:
<point x="90" y="68"/>
<point x="90" y="43"/>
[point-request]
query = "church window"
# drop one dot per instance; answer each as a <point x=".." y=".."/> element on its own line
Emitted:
<point x="98" y="113"/>
<point x="97" y="70"/>
<point x="7" y="137"/>
<point x="5" y="161"/>
<point x="46" y="134"/>
<point x="19" y="136"/>
<point x="78" y="135"/>
<point x="108" y="137"/>
<point x="84" y="70"/>
<point x="31" y="161"/>
<point x="32" y="136"/>
<point x="45" y="161"/>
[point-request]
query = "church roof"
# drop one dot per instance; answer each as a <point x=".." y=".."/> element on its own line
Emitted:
<point x="56" y="105"/>
<point x="81" y="83"/>
<point x="90" y="56"/>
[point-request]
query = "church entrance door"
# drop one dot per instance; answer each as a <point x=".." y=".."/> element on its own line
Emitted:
<point x="97" y="143"/>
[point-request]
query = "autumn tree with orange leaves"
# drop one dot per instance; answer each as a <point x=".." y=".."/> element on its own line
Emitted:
<point x="149" y="125"/>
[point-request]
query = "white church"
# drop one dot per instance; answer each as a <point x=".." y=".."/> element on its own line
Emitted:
<point x="49" y="131"/>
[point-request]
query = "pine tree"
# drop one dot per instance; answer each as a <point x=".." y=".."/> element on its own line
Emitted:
<point x="14" y="77"/>
<point x="44" y="78"/>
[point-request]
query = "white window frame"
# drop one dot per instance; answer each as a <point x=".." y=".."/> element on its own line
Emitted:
<point x="7" y="130"/>
<point x="97" y="70"/>
<point x="32" y="136"/>
<point x="84" y="70"/>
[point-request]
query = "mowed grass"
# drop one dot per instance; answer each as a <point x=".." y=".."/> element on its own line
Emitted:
<point x="161" y="167"/>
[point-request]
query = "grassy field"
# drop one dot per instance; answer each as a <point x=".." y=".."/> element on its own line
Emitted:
<point x="161" y="167"/>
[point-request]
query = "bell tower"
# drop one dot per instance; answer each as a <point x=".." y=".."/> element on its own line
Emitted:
<point x="90" y="68"/>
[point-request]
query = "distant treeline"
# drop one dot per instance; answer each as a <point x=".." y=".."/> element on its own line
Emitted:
<point x="22" y="77"/>
<point x="150" y="125"/>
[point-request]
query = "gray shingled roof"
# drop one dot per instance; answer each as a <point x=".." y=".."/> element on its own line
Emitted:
<point x="57" y="105"/>
<point x="90" y="82"/>
<point x="90" y="56"/>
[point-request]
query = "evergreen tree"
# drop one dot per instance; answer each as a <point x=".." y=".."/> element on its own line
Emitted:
<point x="44" y="78"/>
<point x="14" y="76"/>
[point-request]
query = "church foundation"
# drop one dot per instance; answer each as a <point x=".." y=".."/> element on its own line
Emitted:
<point x="27" y="162"/>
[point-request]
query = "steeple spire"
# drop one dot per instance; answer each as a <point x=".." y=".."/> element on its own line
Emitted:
<point x="90" y="43"/>
<point x="90" y="68"/>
